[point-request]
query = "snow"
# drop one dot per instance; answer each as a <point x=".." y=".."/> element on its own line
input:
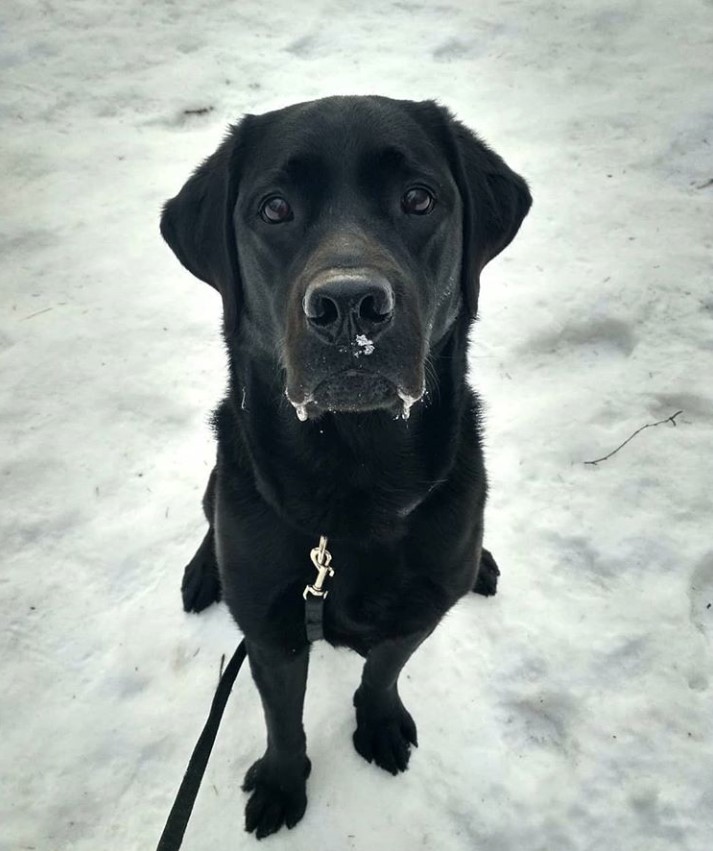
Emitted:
<point x="573" y="710"/>
<point x="366" y="345"/>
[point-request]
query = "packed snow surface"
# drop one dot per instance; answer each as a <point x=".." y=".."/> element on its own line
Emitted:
<point x="572" y="711"/>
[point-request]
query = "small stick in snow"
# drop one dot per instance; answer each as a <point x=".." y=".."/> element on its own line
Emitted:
<point x="201" y="110"/>
<point x="671" y="419"/>
<point x="37" y="313"/>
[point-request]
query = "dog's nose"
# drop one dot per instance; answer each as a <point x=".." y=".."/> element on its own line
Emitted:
<point x="349" y="303"/>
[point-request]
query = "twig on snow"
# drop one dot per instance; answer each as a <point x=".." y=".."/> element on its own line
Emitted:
<point x="201" y="110"/>
<point x="671" y="419"/>
<point x="36" y="313"/>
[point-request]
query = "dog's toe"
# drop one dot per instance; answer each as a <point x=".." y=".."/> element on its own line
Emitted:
<point x="486" y="582"/>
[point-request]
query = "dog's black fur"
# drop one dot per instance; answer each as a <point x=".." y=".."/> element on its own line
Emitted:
<point x="331" y="228"/>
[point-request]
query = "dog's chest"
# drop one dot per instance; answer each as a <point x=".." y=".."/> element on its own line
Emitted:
<point x="375" y="597"/>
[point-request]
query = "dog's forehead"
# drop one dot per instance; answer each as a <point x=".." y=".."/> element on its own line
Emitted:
<point x="333" y="129"/>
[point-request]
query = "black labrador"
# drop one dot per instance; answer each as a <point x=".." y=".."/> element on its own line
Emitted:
<point x="346" y="237"/>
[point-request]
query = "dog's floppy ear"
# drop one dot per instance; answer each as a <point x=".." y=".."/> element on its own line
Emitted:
<point x="198" y="223"/>
<point x="495" y="202"/>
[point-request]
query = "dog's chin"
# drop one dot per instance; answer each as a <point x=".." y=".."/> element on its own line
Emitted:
<point x="354" y="391"/>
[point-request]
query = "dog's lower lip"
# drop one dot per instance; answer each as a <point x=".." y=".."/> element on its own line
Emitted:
<point x="354" y="390"/>
<point x="354" y="375"/>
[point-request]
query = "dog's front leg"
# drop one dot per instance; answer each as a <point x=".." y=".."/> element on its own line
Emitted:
<point x="278" y="780"/>
<point x="385" y="729"/>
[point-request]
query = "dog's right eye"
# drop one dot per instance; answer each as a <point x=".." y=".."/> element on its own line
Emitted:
<point x="276" y="210"/>
<point x="418" y="201"/>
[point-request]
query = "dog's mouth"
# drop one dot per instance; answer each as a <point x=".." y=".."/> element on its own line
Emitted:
<point x="354" y="390"/>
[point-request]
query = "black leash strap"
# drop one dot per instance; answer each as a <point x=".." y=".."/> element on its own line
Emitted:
<point x="314" y="618"/>
<point x="172" y="835"/>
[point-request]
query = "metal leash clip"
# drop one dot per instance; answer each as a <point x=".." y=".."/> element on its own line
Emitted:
<point x="321" y="559"/>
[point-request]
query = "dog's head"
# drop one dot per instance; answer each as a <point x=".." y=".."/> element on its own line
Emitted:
<point x="346" y="236"/>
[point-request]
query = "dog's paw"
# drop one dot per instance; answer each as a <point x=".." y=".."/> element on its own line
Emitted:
<point x="486" y="582"/>
<point x="384" y="733"/>
<point x="278" y="797"/>
<point x="201" y="582"/>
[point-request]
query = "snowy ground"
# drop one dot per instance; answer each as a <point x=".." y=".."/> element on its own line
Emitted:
<point x="578" y="713"/>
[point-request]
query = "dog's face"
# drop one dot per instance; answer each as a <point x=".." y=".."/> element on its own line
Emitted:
<point x="348" y="225"/>
<point x="345" y="236"/>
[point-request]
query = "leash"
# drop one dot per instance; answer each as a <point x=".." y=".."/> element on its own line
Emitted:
<point x="172" y="835"/>
<point x="314" y="596"/>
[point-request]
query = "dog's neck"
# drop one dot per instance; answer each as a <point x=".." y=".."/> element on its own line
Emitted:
<point x="332" y="462"/>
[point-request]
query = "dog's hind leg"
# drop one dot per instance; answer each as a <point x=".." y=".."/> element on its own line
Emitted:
<point x="486" y="582"/>
<point x="201" y="581"/>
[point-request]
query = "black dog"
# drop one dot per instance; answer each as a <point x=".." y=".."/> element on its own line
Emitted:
<point x="346" y="237"/>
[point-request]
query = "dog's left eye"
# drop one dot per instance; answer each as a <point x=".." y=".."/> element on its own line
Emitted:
<point x="276" y="210"/>
<point x="418" y="201"/>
